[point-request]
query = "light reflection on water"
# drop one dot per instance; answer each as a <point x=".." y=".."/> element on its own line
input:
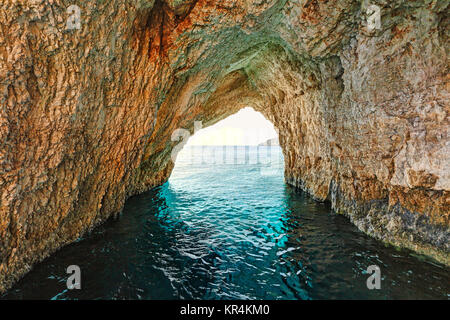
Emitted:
<point x="231" y="231"/>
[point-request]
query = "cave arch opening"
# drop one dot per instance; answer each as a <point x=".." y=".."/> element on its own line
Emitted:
<point x="245" y="138"/>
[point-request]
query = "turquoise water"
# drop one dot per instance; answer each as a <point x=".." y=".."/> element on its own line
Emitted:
<point x="226" y="226"/>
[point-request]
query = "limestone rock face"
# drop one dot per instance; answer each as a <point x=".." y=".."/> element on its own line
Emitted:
<point x="87" y="113"/>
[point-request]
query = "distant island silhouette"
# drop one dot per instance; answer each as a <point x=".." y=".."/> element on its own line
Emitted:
<point x="270" y="142"/>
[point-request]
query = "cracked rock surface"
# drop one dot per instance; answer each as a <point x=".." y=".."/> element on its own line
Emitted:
<point x="87" y="114"/>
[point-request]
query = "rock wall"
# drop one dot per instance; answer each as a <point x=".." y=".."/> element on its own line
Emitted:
<point x="87" y="114"/>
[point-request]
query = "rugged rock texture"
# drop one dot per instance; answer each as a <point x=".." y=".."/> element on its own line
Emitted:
<point x="87" y="115"/>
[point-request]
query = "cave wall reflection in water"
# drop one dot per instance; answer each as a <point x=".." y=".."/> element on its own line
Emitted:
<point x="231" y="231"/>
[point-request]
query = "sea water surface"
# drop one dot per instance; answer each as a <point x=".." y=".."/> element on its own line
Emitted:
<point x="226" y="226"/>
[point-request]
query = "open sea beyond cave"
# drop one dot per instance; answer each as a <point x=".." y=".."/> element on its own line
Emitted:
<point x="226" y="226"/>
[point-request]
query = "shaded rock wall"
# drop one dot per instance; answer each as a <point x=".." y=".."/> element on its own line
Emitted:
<point x="87" y="115"/>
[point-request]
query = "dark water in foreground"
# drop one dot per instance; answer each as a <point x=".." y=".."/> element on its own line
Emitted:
<point x="231" y="231"/>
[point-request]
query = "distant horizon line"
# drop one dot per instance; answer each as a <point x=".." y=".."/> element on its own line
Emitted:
<point x="230" y="145"/>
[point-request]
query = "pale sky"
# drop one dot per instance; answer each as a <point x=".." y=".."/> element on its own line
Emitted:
<point x="246" y="127"/>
